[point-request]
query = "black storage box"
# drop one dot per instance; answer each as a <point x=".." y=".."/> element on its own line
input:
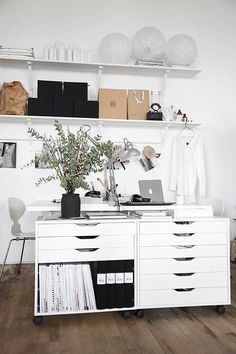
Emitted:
<point x="40" y="107"/>
<point x="48" y="89"/>
<point x="76" y="90"/>
<point x="63" y="107"/>
<point x="87" y="109"/>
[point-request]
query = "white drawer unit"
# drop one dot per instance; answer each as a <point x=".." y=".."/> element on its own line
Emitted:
<point x="85" y="228"/>
<point x="184" y="263"/>
<point x="75" y="257"/>
<point x="180" y="251"/>
<point x="197" y="238"/>
<point x="184" y="297"/>
<point x="183" y="280"/>
<point x="72" y="242"/>
<point x="85" y="255"/>
<point x="165" y="263"/>
<point x="183" y="227"/>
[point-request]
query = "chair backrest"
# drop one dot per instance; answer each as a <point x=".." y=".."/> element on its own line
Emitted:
<point x="16" y="209"/>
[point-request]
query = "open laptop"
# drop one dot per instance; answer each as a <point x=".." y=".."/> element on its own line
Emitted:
<point x="151" y="189"/>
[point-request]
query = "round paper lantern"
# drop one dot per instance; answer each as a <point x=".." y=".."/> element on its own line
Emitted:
<point x="181" y="49"/>
<point x="149" y="43"/>
<point x="115" y="48"/>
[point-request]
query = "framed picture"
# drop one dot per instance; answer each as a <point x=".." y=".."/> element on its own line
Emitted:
<point x="7" y="155"/>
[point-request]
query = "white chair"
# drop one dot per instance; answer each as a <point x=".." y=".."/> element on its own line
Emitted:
<point x="16" y="210"/>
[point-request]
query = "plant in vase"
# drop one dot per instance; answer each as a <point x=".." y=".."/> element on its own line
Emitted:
<point x="73" y="157"/>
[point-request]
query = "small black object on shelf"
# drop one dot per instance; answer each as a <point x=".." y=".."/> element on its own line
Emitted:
<point x="155" y="112"/>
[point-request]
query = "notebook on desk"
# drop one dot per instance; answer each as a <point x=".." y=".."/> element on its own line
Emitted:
<point x="151" y="189"/>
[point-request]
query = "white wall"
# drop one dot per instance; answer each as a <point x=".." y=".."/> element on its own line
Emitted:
<point x="208" y="98"/>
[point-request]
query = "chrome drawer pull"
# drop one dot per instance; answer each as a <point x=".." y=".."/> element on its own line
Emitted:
<point x="184" y="222"/>
<point x="86" y="249"/>
<point x="87" y="224"/>
<point x="184" y="259"/>
<point x="87" y="237"/>
<point x="185" y="234"/>
<point x="183" y="274"/>
<point x="183" y="246"/>
<point x="184" y="289"/>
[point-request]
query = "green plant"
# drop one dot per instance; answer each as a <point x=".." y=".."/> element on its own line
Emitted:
<point x="72" y="156"/>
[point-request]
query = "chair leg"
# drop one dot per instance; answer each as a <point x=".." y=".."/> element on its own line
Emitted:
<point x="5" y="259"/>
<point x="21" y="257"/>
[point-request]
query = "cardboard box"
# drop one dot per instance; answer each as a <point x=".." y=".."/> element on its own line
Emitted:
<point x="112" y="103"/>
<point x="138" y="104"/>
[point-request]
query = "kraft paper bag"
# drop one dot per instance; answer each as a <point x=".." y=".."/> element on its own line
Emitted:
<point x="112" y="103"/>
<point x="138" y="104"/>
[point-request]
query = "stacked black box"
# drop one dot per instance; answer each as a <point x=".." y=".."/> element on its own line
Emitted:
<point x="68" y="99"/>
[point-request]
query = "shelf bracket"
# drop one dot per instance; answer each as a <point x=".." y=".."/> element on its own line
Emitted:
<point x="99" y="82"/>
<point x="30" y="78"/>
<point x="30" y="141"/>
<point x="164" y="86"/>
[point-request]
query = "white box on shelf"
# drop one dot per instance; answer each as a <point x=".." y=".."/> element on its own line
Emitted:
<point x="183" y="211"/>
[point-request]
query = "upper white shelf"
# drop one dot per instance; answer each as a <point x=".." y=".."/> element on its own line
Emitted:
<point x="179" y="71"/>
<point x="93" y="121"/>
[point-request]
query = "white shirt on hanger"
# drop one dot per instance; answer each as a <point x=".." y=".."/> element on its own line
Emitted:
<point x="187" y="166"/>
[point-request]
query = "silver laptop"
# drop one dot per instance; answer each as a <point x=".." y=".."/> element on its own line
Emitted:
<point x="151" y="189"/>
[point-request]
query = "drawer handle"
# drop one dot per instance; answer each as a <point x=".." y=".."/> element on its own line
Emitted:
<point x="183" y="274"/>
<point x="185" y="234"/>
<point x="87" y="237"/>
<point x="184" y="259"/>
<point x="86" y="249"/>
<point x="184" y="289"/>
<point x="87" y="224"/>
<point x="184" y="222"/>
<point x="183" y="246"/>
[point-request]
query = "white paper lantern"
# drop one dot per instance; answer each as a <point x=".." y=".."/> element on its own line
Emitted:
<point x="149" y="43"/>
<point x="181" y="49"/>
<point x="115" y="48"/>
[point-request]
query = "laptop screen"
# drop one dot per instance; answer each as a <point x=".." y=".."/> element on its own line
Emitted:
<point x="151" y="189"/>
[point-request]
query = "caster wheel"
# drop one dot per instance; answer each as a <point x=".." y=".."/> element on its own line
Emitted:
<point x="220" y="309"/>
<point x="38" y="320"/>
<point x="140" y="313"/>
<point x="126" y="314"/>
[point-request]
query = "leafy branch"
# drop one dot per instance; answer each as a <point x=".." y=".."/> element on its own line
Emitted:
<point x="72" y="156"/>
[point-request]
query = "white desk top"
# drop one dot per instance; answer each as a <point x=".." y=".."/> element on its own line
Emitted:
<point x="49" y="206"/>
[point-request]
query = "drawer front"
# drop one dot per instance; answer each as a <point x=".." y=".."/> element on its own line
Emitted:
<point x="181" y="239"/>
<point x="71" y="242"/>
<point x="181" y="228"/>
<point x="86" y="229"/>
<point x="173" y="298"/>
<point x="183" y="280"/>
<point x="84" y="255"/>
<point x="183" y="251"/>
<point x="191" y="265"/>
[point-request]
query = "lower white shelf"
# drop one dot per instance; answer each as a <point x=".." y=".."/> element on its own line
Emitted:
<point x="114" y="309"/>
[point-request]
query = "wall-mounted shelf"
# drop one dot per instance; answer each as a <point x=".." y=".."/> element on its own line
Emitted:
<point x="93" y="121"/>
<point x="179" y="71"/>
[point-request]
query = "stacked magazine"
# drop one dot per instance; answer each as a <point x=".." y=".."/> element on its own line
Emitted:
<point x="149" y="62"/>
<point x="152" y="214"/>
<point x="16" y="53"/>
<point x="66" y="287"/>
